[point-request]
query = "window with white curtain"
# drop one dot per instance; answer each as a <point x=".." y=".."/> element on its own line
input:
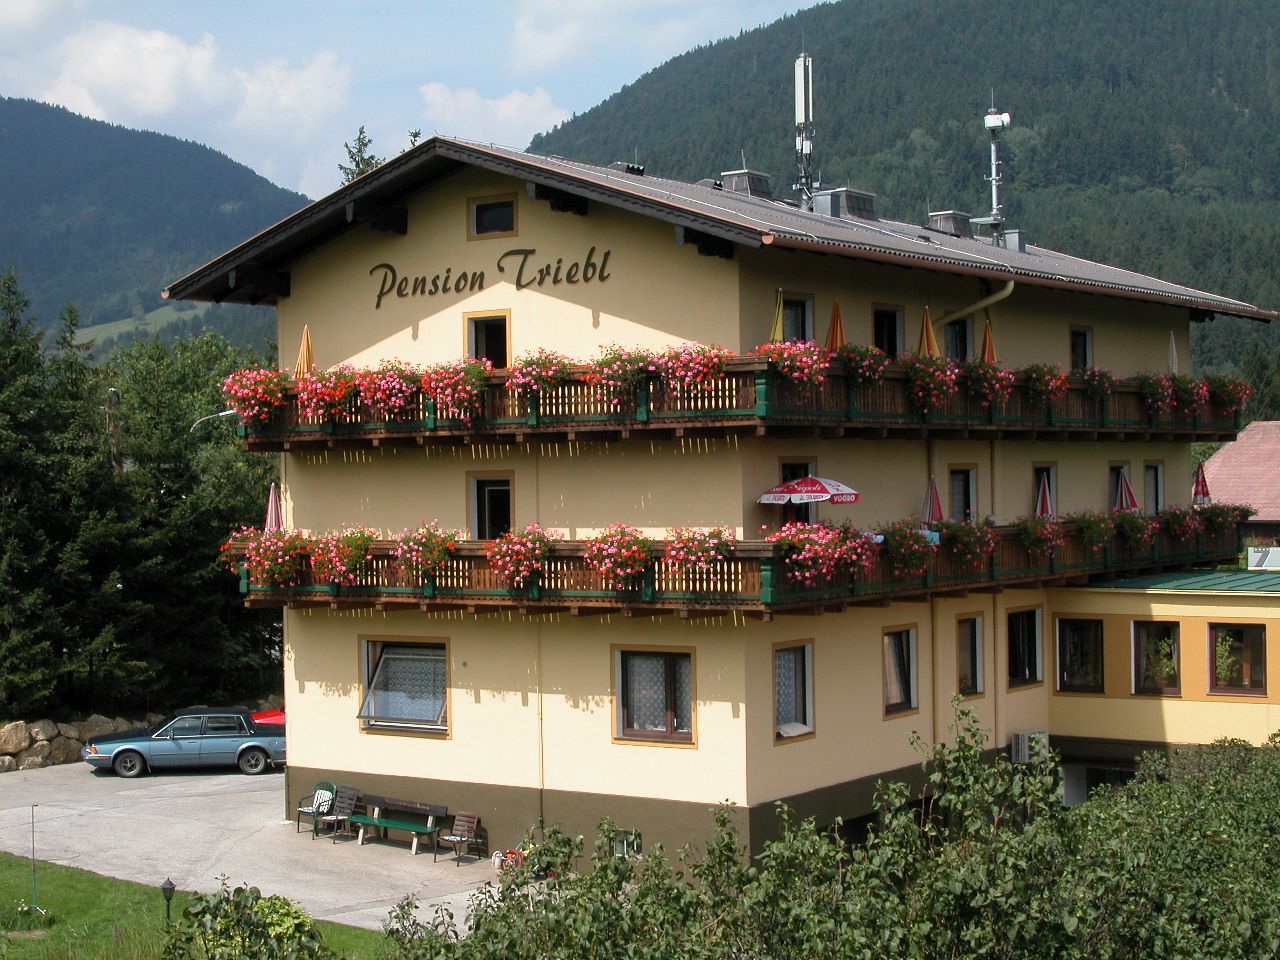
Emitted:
<point x="407" y="686"/>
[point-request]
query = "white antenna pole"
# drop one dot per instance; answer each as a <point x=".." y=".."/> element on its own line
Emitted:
<point x="804" y="130"/>
<point x="995" y="123"/>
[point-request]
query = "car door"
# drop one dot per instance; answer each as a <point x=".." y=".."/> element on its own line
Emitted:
<point x="178" y="743"/>
<point x="223" y="734"/>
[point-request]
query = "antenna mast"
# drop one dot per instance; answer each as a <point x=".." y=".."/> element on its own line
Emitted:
<point x="804" y="130"/>
<point x="995" y="123"/>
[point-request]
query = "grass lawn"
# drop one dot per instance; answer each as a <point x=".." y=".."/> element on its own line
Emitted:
<point x="99" y="918"/>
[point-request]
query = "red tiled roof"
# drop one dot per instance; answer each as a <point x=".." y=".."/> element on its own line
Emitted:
<point x="1247" y="470"/>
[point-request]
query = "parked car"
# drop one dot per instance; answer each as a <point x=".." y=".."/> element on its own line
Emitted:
<point x="198" y="737"/>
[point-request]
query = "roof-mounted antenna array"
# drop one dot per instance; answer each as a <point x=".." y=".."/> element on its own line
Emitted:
<point x="995" y="123"/>
<point x="804" y="130"/>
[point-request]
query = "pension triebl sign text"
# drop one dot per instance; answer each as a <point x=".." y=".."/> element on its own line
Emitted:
<point x="523" y="263"/>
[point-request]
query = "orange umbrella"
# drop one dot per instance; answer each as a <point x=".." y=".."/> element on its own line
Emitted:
<point x="305" y="360"/>
<point x="928" y="346"/>
<point x="835" y="333"/>
<point x="988" y="353"/>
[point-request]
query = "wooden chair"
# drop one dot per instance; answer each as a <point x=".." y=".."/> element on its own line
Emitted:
<point x="314" y="805"/>
<point x="339" y="816"/>
<point x="461" y="835"/>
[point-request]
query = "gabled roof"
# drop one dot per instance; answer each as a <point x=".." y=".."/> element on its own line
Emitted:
<point x="250" y="271"/>
<point x="1247" y="470"/>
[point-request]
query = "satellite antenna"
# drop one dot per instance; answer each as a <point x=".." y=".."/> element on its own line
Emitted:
<point x="804" y="130"/>
<point x="995" y="124"/>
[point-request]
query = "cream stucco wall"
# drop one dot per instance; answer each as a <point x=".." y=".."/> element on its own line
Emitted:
<point x="1196" y="715"/>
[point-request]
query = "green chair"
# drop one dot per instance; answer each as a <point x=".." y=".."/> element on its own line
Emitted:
<point x="315" y="805"/>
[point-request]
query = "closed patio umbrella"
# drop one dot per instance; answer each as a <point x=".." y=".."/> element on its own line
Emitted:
<point x="275" y="516"/>
<point x="988" y="352"/>
<point x="1044" y="499"/>
<point x="1200" y="489"/>
<point x="1125" y="500"/>
<point x="775" y="335"/>
<point x="305" y="359"/>
<point x="1173" y="353"/>
<point x="928" y="345"/>
<point x="931" y="510"/>
<point x="835" y="332"/>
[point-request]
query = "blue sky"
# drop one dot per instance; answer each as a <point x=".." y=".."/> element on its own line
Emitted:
<point x="280" y="84"/>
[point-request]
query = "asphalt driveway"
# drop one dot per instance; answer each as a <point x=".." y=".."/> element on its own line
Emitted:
<point x="194" y="826"/>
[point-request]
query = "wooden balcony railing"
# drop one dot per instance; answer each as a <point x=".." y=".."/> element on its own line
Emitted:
<point x="753" y="580"/>
<point x="749" y="396"/>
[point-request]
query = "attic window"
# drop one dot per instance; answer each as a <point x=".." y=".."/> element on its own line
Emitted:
<point x="491" y="217"/>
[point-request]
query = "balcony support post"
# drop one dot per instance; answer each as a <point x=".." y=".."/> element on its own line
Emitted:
<point x="762" y="393"/>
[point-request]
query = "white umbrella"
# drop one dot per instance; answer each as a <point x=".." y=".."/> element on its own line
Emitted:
<point x="809" y="490"/>
<point x="275" y="516"/>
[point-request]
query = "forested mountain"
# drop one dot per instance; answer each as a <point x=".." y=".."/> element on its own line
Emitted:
<point x="104" y="216"/>
<point x="1146" y="134"/>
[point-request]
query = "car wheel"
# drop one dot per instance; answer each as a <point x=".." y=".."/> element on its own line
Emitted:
<point x="128" y="764"/>
<point x="252" y="762"/>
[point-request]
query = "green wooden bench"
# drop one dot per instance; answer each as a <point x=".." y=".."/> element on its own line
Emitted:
<point x="388" y="813"/>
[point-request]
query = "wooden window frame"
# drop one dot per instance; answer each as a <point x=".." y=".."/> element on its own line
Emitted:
<point x="1172" y="691"/>
<point x="900" y="330"/>
<point x="810" y="707"/>
<point x="980" y="674"/>
<point x="1060" y="683"/>
<point x="972" y="505"/>
<point x="468" y="340"/>
<point x="671" y="738"/>
<point x="912" y="705"/>
<point x="473" y="202"/>
<point x="1011" y="683"/>
<point x="473" y="506"/>
<point x="365" y="667"/>
<point x="1215" y="688"/>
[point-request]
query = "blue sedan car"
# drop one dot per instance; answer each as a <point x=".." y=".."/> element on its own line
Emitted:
<point x="203" y="737"/>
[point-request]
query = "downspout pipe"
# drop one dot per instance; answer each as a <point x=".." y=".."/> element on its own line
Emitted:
<point x="979" y="305"/>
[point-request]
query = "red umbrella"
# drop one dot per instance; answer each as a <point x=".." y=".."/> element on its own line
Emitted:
<point x="1044" y="499"/>
<point x="1200" y="489"/>
<point x="835" y="332"/>
<point x="1125" y="500"/>
<point x="809" y="490"/>
<point x="988" y="352"/>
<point x="275" y="518"/>
<point x="931" y="510"/>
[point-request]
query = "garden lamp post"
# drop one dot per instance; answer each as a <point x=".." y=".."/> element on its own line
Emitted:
<point x="167" y="889"/>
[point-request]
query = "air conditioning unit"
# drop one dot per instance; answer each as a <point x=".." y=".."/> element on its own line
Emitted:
<point x="1022" y="749"/>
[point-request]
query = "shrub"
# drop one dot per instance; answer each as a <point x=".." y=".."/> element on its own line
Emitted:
<point x="693" y="365"/>
<point x="1096" y="528"/>
<point x="931" y="381"/>
<point x="276" y="559"/>
<point x="457" y="387"/>
<point x="818" y="553"/>
<point x="967" y="542"/>
<point x="618" y="371"/>
<point x="1044" y="384"/>
<point x="519" y="557"/>
<point x="423" y="552"/>
<point x="986" y="382"/>
<point x="324" y="393"/>
<point x="536" y="373"/>
<point x="1220" y="517"/>
<point x="700" y="549"/>
<point x="1183" y="523"/>
<point x="619" y="554"/>
<point x="391" y="390"/>
<point x="1157" y="392"/>
<point x="1190" y="395"/>
<point x="1040" y="535"/>
<point x="344" y="557"/>
<point x="256" y="393"/>
<point x="1133" y="530"/>
<point x="803" y="361"/>
<point x="1228" y="394"/>
<point x="1098" y="383"/>
<point x="242" y="924"/>
<point x="906" y="549"/>
<point x="864" y="365"/>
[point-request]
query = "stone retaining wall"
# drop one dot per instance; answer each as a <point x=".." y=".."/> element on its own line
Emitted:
<point x="44" y="743"/>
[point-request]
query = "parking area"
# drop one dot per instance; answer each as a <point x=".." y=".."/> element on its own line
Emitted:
<point x="194" y="826"/>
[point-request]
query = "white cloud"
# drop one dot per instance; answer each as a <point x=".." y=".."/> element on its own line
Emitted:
<point x="277" y="99"/>
<point x="114" y="72"/>
<point x="19" y="16"/>
<point x="512" y="119"/>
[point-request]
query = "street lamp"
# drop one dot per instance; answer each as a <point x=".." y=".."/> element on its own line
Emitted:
<point x="167" y="889"/>
<point x="212" y="416"/>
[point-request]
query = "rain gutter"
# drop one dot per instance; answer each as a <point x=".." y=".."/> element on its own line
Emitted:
<point x="980" y="304"/>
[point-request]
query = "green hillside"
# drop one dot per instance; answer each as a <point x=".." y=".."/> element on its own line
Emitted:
<point x="1146" y="134"/>
<point x="105" y="216"/>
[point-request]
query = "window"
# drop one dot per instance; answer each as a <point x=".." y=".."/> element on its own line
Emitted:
<point x="490" y="506"/>
<point x="182" y="727"/>
<point x="488" y="337"/>
<point x="491" y="217"/>
<point x="656" y="696"/>
<point x="1024" y="647"/>
<point x="969" y="656"/>
<point x="899" y="670"/>
<point x="1114" y="473"/>
<point x="1080" y="655"/>
<point x="1155" y="658"/>
<point x="1038" y="475"/>
<point x="887" y="329"/>
<point x="1153" y="487"/>
<point x="407" y="686"/>
<point x="1081" y="348"/>
<point x="798" y="512"/>
<point x="793" y="690"/>
<point x="963" y="503"/>
<point x="797" y="318"/>
<point x="957" y="338"/>
<point x="1238" y="652"/>
<point x="224" y="726"/>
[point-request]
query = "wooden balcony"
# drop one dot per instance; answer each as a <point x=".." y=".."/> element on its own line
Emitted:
<point x="753" y="581"/>
<point x="748" y="399"/>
